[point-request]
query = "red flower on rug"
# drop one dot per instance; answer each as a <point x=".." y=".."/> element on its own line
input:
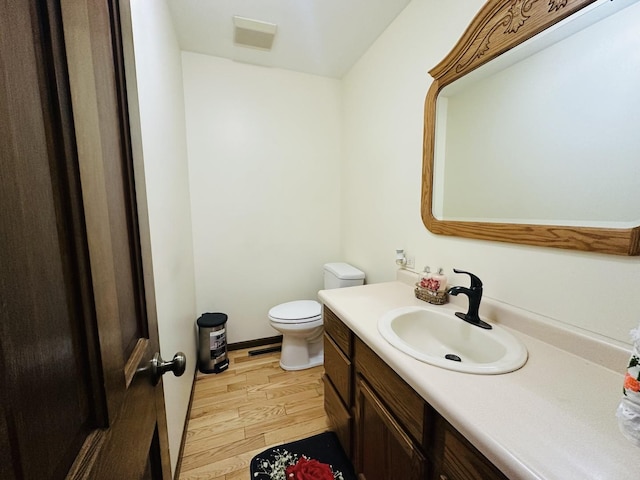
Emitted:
<point x="305" y="469"/>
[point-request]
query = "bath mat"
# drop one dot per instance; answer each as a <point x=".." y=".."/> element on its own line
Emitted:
<point x="319" y="457"/>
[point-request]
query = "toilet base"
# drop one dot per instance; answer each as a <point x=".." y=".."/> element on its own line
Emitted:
<point x="312" y="363"/>
<point x="299" y="353"/>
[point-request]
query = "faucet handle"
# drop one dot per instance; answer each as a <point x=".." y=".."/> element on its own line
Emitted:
<point x="475" y="281"/>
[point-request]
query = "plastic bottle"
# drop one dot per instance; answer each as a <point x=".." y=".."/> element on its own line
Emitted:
<point x="425" y="278"/>
<point x="438" y="281"/>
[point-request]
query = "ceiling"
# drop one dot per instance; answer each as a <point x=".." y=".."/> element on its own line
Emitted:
<point x="321" y="37"/>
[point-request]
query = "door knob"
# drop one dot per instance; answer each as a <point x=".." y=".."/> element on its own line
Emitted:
<point x="159" y="367"/>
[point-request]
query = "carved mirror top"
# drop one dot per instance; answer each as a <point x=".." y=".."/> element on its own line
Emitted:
<point x="500" y="26"/>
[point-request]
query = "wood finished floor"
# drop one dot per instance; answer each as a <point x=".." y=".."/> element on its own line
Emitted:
<point x="250" y="407"/>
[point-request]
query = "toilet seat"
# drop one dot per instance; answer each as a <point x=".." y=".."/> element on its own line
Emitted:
<point x="300" y="311"/>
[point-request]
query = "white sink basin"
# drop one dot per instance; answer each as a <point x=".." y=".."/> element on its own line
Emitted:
<point x="436" y="336"/>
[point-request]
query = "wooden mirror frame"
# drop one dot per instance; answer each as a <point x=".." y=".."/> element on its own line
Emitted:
<point x="498" y="27"/>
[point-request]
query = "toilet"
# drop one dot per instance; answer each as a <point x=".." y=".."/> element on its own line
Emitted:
<point x="300" y="322"/>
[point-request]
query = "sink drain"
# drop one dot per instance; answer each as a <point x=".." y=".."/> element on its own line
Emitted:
<point x="453" y="357"/>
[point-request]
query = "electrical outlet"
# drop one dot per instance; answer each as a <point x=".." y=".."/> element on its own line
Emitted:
<point x="411" y="261"/>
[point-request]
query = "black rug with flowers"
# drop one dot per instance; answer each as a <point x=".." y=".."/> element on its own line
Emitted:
<point x="319" y="458"/>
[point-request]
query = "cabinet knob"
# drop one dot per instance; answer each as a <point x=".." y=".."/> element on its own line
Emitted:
<point x="443" y="477"/>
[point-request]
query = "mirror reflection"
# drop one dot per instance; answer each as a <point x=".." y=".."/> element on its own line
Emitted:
<point x="548" y="133"/>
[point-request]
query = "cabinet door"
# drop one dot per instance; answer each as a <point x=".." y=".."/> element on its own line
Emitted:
<point x="384" y="450"/>
<point x="460" y="460"/>
<point x="404" y="404"/>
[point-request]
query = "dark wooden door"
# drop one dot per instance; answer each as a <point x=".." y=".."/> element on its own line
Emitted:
<point x="77" y="330"/>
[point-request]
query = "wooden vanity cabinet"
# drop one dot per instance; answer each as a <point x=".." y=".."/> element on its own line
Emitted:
<point x="388" y="431"/>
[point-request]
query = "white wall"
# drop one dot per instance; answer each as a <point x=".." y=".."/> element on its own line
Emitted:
<point x="160" y="94"/>
<point x="381" y="180"/>
<point x="264" y="166"/>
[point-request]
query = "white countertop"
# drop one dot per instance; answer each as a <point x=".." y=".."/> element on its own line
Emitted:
<point x="552" y="419"/>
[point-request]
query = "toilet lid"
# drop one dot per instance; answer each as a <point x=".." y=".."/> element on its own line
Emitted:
<point x="301" y="310"/>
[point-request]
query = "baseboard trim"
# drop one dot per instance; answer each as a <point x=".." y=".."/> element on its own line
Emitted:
<point x="259" y="342"/>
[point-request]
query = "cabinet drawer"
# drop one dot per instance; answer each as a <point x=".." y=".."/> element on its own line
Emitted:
<point x="403" y="402"/>
<point x="338" y="368"/>
<point x="339" y="416"/>
<point x="338" y="331"/>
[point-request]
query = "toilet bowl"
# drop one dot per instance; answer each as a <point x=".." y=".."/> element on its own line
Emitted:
<point x="300" y="322"/>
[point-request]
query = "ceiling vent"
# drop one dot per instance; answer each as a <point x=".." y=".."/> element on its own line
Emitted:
<point x="253" y="33"/>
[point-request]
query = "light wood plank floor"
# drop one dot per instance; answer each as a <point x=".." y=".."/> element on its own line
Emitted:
<point x="251" y="406"/>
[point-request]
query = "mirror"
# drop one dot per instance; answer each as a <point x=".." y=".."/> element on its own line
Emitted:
<point x="527" y="147"/>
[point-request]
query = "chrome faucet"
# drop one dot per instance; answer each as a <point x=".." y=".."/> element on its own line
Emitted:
<point x="475" y="295"/>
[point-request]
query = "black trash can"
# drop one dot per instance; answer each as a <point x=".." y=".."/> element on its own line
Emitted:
<point x="212" y="343"/>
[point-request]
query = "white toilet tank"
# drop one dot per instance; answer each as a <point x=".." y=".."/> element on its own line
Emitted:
<point x="339" y="275"/>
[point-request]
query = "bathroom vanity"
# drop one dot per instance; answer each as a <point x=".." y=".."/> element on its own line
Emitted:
<point x="393" y="432"/>
<point x="397" y="417"/>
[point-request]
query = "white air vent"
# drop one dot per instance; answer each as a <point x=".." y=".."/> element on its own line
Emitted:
<point x="254" y="33"/>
